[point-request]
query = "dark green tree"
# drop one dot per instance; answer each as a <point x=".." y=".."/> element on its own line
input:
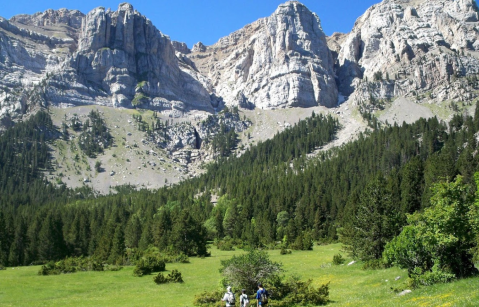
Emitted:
<point x="374" y="222"/>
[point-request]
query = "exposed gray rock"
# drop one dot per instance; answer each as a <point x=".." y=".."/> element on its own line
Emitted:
<point x="181" y="47"/>
<point x="71" y="18"/>
<point x="189" y="137"/>
<point x="123" y="60"/>
<point x="199" y="47"/>
<point x="404" y="292"/>
<point x="27" y="55"/>
<point x="279" y="61"/>
<point x="410" y="47"/>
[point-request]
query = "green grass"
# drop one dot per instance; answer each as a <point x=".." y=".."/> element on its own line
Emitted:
<point x="350" y="285"/>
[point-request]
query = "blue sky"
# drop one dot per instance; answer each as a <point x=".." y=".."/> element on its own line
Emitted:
<point x="191" y="21"/>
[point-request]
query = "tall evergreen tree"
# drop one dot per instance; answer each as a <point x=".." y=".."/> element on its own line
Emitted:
<point x="374" y="222"/>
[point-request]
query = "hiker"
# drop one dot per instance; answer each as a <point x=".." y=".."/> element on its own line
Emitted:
<point x="229" y="297"/>
<point x="244" y="301"/>
<point x="262" y="296"/>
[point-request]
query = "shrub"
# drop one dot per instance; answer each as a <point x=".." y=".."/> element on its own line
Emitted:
<point x="225" y="245"/>
<point x="338" y="259"/>
<point x="436" y="245"/>
<point x="48" y="269"/>
<point x="156" y="264"/>
<point x="160" y="279"/>
<point x="303" y="241"/>
<point x="376" y="264"/>
<point x="142" y="268"/>
<point x="246" y="271"/>
<point x="174" y="276"/>
<point x="181" y="258"/>
<point x="209" y="299"/>
<point x="284" y="251"/>
<point x="436" y="275"/>
<point x="149" y="264"/>
<point x="294" y="292"/>
<point x="70" y="265"/>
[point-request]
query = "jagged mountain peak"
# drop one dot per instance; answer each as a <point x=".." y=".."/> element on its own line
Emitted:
<point x="126" y="61"/>
<point x="410" y="47"/>
<point x="278" y="61"/>
<point x="50" y="17"/>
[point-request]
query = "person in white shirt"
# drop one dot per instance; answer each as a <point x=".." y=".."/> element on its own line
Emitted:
<point x="229" y="297"/>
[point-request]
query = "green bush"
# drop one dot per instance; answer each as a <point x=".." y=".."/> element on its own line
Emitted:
<point x="285" y="251"/>
<point x="303" y="241"/>
<point x="142" y="268"/>
<point x="226" y="246"/>
<point x="48" y="269"/>
<point x="160" y="279"/>
<point x="156" y="264"/>
<point x="436" y="275"/>
<point x="70" y="265"/>
<point x="376" y="264"/>
<point x="209" y="299"/>
<point x="338" y="259"/>
<point x="147" y="265"/>
<point x="247" y="270"/>
<point x="181" y="258"/>
<point x="294" y="292"/>
<point x="174" y="276"/>
<point x="436" y="245"/>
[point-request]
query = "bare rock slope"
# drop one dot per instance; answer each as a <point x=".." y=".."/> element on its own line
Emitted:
<point x="31" y="46"/>
<point x="123" y="60"/>
<point x="401" y="47"/>
<point x="279" y="61"/>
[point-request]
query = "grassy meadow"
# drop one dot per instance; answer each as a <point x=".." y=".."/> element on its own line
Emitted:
<point x="350" y="285"/>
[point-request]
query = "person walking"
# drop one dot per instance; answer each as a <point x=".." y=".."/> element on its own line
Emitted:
<point x="262" y="296"/>
<point x="229" y="297"/>
<point x="244" y="301"/>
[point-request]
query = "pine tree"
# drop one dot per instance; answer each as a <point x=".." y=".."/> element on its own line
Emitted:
<point x="133" y="231"/>
<point x="17" y="249"/>
<point x="374" y="222"/>
<point x="4" y="247"/>
<point x="118" y="246"/>
<point x="51" y="245"/>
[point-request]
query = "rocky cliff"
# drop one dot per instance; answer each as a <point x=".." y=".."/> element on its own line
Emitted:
<point x="413" y="48"/>
<point x="123" y="60"/>
<point x="401" y="47"/>
<point x="279" y="61"/>
<point x="30" y="48"/>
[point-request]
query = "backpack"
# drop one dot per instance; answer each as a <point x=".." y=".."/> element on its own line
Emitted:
<point x="245" y="301"/>
<point x="231" y="299"/>
<point x="263" y="297"/>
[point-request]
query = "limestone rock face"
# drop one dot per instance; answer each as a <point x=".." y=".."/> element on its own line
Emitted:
<point x="279" y="61"/>
<point x="401" y="47"/>
<point x="29" y="51"/>
<point x="71" y="18"/>
<point x="181" y="47"/>
<point x="123" y="60"/>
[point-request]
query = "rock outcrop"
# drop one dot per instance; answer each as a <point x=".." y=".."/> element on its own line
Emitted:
<point x="30" y="49"/>
<point x="401" y="47"/>
<point x="123" y="60"/>
<point x="118" y="58"/>
<point x="279" y="61"/>
<point x="51" y="18"/>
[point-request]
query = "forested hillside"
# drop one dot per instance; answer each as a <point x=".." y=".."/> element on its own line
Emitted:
<point x="273" y="192"/>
